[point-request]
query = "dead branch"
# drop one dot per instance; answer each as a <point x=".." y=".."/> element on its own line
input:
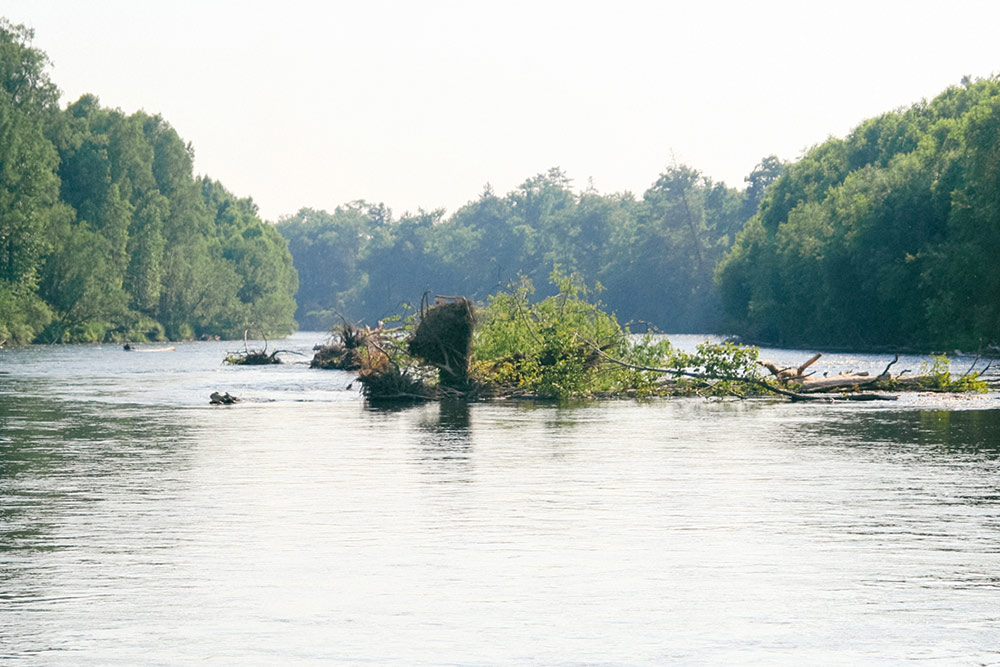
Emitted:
<point x="886" y="371"/>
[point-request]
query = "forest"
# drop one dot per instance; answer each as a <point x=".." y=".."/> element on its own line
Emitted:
<point x="106" y="234"/>
<point x="886" y="238"/>
<point x="651" y="258"/>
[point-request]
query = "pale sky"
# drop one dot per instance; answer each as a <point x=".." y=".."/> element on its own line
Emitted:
<point x="419" y="104"/>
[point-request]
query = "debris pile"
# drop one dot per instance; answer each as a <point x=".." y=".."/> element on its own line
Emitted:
<point x="351" y="344"/>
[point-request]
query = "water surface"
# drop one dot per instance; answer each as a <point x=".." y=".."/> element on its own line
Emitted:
<point x="138" y="525"/>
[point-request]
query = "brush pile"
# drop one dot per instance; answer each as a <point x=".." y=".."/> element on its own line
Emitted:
<point x="443" y="339"/>
<point x="351" y="344"/>
<point x="252" y="357"/>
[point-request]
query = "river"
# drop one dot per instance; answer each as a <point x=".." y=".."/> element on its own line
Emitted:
<point x="139" y="525"/>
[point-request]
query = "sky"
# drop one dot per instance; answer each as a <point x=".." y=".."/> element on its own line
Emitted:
<point x="420" y="104"/>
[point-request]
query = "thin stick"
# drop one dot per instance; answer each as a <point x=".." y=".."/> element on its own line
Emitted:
<point x="895" y="359"/>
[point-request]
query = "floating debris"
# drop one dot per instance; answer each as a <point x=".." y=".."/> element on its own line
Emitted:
<point x="250" y="357"/>
<point x="222" y="399"/>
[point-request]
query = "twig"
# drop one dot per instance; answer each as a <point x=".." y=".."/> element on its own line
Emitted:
<point x="894" y="360"/>
<point x="527" y="323"/>
<point x="974" y="362"/>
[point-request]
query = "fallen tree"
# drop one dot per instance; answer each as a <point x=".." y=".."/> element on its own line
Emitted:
<point x="759" y="383"/>
<point x="933" y="378"/>
<point x="564" y="346"/>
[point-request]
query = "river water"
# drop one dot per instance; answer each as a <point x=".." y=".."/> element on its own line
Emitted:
<point x="139" y="525"/>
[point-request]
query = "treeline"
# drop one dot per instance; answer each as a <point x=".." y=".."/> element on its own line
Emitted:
<point x="654" y="256"/>
<point x="105" y="234"/>
<point x="886" y="238"/>
<point x="890" y="237"/>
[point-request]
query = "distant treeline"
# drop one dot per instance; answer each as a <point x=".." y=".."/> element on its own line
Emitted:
<point x="890" y="237"/>
<point x="654" y="256"/>
<point x="105" y="234"/>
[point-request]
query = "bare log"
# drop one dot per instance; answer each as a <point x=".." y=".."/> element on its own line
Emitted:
<point x="840" y="381"/>
<point x="845" y="380"/>
<point x="812" y="360"/>
<point x="789" y="372"/>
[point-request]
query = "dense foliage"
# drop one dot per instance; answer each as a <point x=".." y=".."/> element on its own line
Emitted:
<point x="105" y="234"/>
<point x="886" y="238"/>
<point x="560" y="347"/>
<point x="566" y="345"/>
<point x="654" y="256"/>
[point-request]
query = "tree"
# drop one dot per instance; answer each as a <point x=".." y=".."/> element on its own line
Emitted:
<point x="29" y="186"/>
<point x="882" y="238"/>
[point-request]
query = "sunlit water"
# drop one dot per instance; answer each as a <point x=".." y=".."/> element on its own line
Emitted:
<point x="139" y="525"/>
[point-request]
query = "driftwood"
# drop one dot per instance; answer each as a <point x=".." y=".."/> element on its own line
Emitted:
<point x="790" y="373"/>
<point x="841" y="381"/>
<point x="858" y="382"/>
<point x="809" y="383"/>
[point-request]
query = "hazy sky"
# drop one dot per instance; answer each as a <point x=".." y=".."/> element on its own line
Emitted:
<point x="419" y="104"/>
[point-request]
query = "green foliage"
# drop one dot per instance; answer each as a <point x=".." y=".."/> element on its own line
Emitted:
<point x="327" y="248"/>
<point x="887" y="237"/>
<point x="937" y="376"/>
<point x="29" y="185"/>
<point x="564" y="346"/>
<point x="22" y="314"/>
<point x="549" y="347"/>
<point x="106" y="235"/>
<point x="654" y="256"/>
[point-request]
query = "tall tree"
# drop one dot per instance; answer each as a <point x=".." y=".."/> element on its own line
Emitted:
<point x="29" y="186"/>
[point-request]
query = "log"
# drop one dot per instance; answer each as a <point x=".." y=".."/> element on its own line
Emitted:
<point x="839" y="381"/>
<point x="812" y="360"/>
<point x="789" y="372"/>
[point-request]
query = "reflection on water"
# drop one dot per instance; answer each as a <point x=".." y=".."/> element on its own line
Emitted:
<point x="58" y="460"/>
<point x="144" y="526"/>
<point x="966" y="435"/>
<point x="445" y="449"/>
